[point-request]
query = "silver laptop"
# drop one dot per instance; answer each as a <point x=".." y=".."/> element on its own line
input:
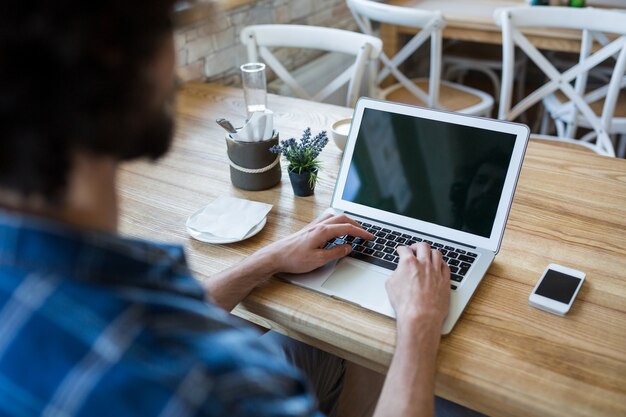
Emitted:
<point x="411" y="174"/>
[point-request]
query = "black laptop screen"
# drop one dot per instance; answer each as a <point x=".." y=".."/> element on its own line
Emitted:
<point x="442" y="173"/>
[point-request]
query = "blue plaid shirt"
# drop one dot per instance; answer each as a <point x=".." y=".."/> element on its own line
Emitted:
<point x="92" y="324"/>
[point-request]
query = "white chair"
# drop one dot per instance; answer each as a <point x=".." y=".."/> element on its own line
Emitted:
<point x="459" y="58"/>
<point x="569" y="105"/>
<point x="260" y="38"/>
<point x="429" y="92"/>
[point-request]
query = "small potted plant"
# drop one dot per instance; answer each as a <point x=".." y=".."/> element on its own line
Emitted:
<point x="301" y="156"/>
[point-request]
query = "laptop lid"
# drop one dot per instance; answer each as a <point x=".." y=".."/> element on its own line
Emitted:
<point x="443" y="174"/>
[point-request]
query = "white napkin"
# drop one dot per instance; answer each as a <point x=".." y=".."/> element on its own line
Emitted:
<point x="259" y="127"/>
<point x="229" y="217"/>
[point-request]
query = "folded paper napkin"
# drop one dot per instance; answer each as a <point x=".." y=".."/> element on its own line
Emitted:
<point x="259" y="127"/>
<point x="229" y="217"/>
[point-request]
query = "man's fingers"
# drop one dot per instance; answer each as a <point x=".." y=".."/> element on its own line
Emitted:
<point x="342" y="219"/>
<point x="336" y="252"/>
<point x="446" y="270"/>
<point x="339" y="219"/>
<point x="436" y="258"/>
<point x="329" y="231"/>
<point x="405" y="252"/>
<point x="423" y="252"/>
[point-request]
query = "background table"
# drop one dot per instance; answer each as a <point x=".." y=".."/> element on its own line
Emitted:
<point x="472" y="20"/>
<point x="503" y="357"/>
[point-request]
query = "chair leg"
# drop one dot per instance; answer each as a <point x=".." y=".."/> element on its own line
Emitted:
<point x="560" y="128"/>
<point x="521" y="85"/>
<point x="545" y="121"/>
<point x="621" y="146"/>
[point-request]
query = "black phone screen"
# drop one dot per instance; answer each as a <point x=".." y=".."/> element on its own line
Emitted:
<point x="558" y="286"/>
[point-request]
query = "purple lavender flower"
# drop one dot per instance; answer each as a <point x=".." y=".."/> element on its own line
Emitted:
<point x="302" y="155"/>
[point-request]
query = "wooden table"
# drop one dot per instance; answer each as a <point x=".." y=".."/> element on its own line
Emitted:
<point x="503" y="358"/>
<point x="472" y="20"/>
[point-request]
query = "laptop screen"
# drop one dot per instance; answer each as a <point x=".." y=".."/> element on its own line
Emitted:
<point x="443" y="173"/>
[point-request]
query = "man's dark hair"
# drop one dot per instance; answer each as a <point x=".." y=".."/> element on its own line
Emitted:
<point x="73" y="77"/>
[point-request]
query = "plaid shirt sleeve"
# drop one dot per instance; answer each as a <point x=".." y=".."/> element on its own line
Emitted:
<point x="93" y="326"/>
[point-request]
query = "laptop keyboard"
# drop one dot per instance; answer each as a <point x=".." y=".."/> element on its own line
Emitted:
<point x="381" y="250"/>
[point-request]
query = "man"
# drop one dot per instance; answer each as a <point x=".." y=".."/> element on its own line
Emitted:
<point x="95" y="324"/>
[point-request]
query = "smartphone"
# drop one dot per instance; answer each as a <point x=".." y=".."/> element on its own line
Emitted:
<point x="556" y="290"/>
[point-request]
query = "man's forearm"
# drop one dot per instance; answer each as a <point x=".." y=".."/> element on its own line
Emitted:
<point x="297" y="253"/>
<point x="229" y="287"/>
<point x="409" y="386"/>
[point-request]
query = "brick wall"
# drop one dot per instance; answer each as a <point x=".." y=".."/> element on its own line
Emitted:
<point x="212" y="51"/>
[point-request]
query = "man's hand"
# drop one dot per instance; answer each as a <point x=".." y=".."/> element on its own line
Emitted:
<point x="304" y="251"/>
<point x="419" y="289"/>
<point x="301" y="252"/>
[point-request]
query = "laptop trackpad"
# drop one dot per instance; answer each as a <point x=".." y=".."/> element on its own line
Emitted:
<point x="358" y="284"/>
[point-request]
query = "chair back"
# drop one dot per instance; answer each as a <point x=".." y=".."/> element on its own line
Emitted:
<point x="603" y="41"/>
<point x="430" y="25"/>
<point x="260" y="38"/>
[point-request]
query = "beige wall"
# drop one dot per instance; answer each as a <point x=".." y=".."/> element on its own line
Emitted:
<point x="212" y="51"/>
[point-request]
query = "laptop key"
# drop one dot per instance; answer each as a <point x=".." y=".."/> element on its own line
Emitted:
<point x="369" y="244"/>
<point x="374" y="261"/>
<point x="428" y="241"/>
<point x="389" y="249"/>
<point x="358" y="248"/>
<point x="358" y="240"/>
<point x="365" y="224"/>
<point x="368" y="251"/>
<point x="404" y="235"/>
<point x="461" y="251"/>
<point x="453" y="255"/>
<point x="448" y="248"/>
<point x="467" y="259"/>
<point x="473" y="255"/>
<point x="455" y="277"/>
<point x="378" y="246"/>
<point x="389" y="258"/>
<point x="454" y="262"/>
<point x="463" y="270"/>
<point x="443" y="251"/>
<point x="400" y="240"/>
<point x="411" y="242"/>
<point x="437" y="245"/>
<point x="446" y="259"/>
<point x="380" y="233"/>
<point x="386" y="230"/>
<point x="379" y="254"/>
<point x="454" y="269"/>
<point x="376" y="227"/>
<point x="396" y="233"/>
<point x="391" y="244"/>
<point x="453" y="287"/>
<point x="381" y="240"/>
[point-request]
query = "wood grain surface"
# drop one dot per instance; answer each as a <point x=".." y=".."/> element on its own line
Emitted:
<point x="503" y="358"/>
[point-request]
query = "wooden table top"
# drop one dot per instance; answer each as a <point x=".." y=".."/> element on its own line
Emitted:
<point x="472" y="20"/>
<point x="503" y="357"/>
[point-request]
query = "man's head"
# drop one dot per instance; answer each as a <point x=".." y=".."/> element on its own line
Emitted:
<point x="77" y="76"/>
